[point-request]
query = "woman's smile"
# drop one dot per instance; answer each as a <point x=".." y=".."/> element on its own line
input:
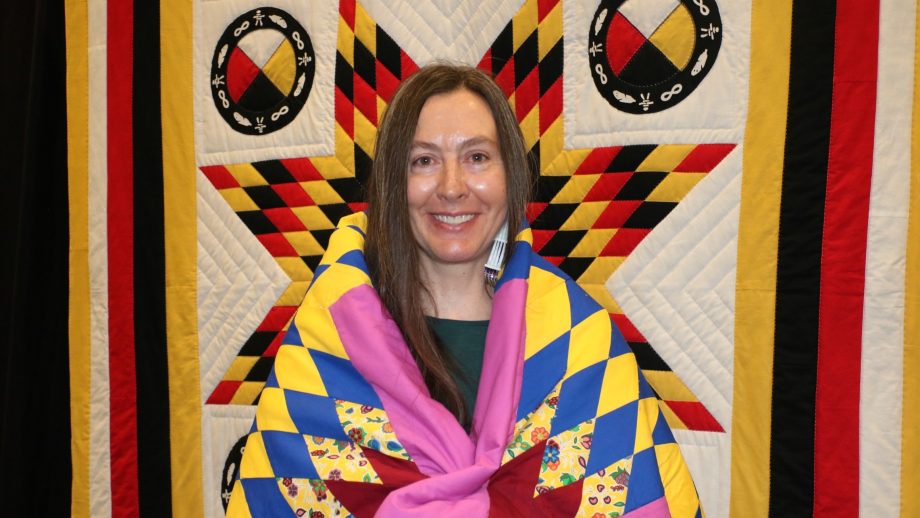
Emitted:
<point x="453" y="220"/>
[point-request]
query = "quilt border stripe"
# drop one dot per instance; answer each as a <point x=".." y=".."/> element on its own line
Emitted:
<point x="798" y="276"/>
<point x="843" y="255"/>
<point x="80" y="345"/>
<point x="910" y="431"/>
<point x="100" y="452"/>
<point x="180" y="227"/>
<point x="122" y="378"/>
<point x="881" y="376"/>
<point x="755" y="291"/>
<point x="151" y="362"/>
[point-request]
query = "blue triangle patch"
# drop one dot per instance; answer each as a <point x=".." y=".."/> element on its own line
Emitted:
<point x="578" y="397"/>
<point x="314" y="415"/>
<point x="541" y="373"/>
<point x="354" y="258"/>
<point x="288" y="455"/>
<point x="265" y="500"/>
<point x="614" y="437"/>
<point x="343" y="381"/>
<point x="644" y="481"/>
<point x="580" y="303"/>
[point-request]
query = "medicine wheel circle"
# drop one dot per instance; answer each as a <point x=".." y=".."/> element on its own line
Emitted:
<point x="231" y="470"/>
<point x="649" y="55"/>
<point x="262" y="71"/>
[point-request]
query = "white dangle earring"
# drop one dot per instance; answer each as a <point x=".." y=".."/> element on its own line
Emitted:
<point x="494" y="264"/>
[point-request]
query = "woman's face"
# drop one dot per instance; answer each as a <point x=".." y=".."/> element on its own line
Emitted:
<point x="456" y="193"/>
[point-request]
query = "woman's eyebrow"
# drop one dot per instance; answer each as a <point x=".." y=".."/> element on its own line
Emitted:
<point x="477" y="141"/>
<point x="423" y="144"/>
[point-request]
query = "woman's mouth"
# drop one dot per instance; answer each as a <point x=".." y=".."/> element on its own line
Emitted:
<point x="453" y="219"/>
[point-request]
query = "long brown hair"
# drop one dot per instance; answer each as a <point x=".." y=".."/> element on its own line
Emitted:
<point x="391" y="250"/>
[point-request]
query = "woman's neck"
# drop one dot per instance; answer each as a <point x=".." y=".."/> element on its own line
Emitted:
<point x="458" y="292"/>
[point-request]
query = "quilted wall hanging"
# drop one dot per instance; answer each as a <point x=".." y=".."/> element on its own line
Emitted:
<point x="731" y="181"/>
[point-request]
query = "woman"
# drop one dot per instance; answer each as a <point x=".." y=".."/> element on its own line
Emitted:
<point x="375" y="407"/>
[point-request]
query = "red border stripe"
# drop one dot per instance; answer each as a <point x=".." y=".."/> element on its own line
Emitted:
<point x="843" y="258"/>
<point x="122" y="378"/>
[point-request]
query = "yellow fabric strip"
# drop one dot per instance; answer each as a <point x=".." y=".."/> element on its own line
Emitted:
<point x="910" y="413"/>
<point x="668" y="386"/>
<point x="180" y="225"/>
<point x="755" y="292"/>
<point x="76" y="23"/>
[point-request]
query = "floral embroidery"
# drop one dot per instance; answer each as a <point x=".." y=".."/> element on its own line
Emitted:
<point x="528" y="429"/>
<point x="356" y="435"/>
<point x="319" y="489"/>
<point x="538" y="434"/>
<point x="622" y="477"/>
<point x="310" y="497"/>
<point x="604" y="492"/>
<point x="291" y="487"/>
<point x="370" y="427"/>
<point x="341" y="460"/>
<point x="565" y="455"/>
<point x="551" y="455"/>
<point x="569" y="456"/>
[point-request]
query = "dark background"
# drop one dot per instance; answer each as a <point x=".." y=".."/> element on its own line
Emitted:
<point x="34" y="379"/>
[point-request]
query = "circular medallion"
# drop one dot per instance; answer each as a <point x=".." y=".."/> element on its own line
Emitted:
<point x="231" y="470"/>
<point x="647" y="56"/>
<point x="262" y="71"/>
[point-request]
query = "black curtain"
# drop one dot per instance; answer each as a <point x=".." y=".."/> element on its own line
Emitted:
<point x="34" y="379"/>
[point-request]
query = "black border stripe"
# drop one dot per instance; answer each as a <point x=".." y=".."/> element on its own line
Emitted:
<point x="153" y="448"/>
<point x="799" y="258"/>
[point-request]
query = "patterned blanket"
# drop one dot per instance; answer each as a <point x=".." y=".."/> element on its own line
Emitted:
<point x="564" y="423"/>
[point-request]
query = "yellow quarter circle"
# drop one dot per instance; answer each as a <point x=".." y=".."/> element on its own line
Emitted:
<point x="675" y="37"/>
<point x="282" y="67"/>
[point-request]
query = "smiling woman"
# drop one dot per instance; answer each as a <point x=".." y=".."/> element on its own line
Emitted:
<point x="451" y="149"/>
<point x="411" y="383"/>
<point x="456" y="193"/>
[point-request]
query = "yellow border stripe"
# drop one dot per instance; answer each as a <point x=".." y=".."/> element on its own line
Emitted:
<point x="764" y="144"/>
<point x="76" y="20"/>
<point x="910" y="413"/>
<point x="181" y="247"/>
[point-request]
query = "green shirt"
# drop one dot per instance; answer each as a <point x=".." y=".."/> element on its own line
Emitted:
<point x="465" y="342"/>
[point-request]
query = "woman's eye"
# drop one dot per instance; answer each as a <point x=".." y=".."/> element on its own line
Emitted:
<point x="422" y="161"/>
<point x="479" y="157"/>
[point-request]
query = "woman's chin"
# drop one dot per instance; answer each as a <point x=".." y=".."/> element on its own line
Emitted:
<point x="458" y="257"/>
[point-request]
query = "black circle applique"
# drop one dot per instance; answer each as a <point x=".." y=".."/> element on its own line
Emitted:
<point x="646" y="57"/>
<point x="231" y="470"/>
<point x="262" y="71"/>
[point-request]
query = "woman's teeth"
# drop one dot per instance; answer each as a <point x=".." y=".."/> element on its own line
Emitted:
<point x="453" y="220"/>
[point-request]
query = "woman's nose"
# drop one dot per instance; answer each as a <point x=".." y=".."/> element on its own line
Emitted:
<point x="453" y="181"/>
